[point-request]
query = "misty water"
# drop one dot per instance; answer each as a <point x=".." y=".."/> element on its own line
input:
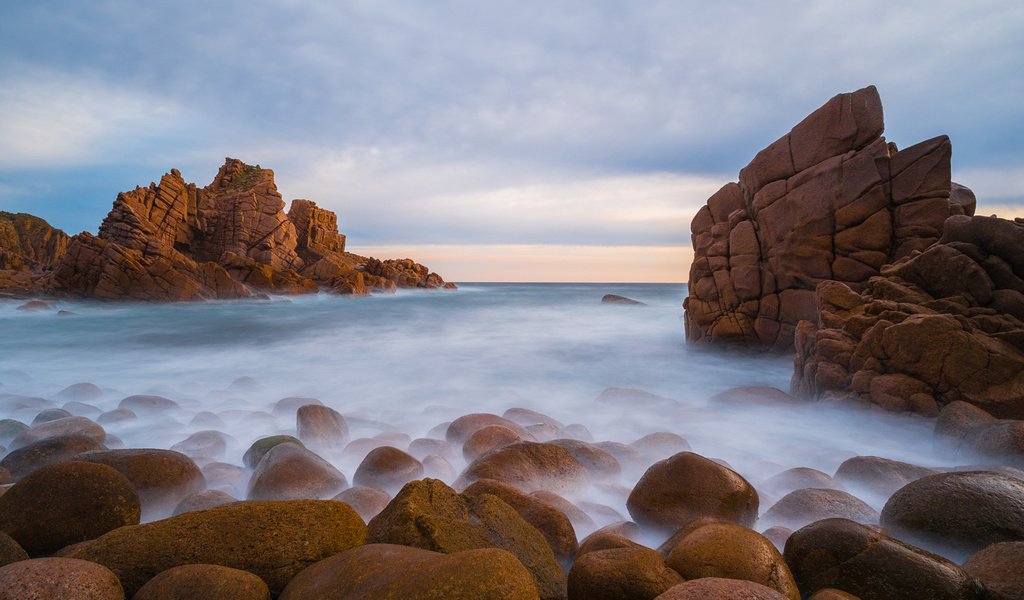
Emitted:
<point x="410" y="361"/>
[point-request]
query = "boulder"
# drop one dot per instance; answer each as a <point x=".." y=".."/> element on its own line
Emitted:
<point x="63" y="426"/>
<point x="260" y="447"/>
<point x="188" y="582"/>
<point x="685" y="486"/>
<point x="661" y="444"/>
<point x="390" y="572"/>
<point x="58" y="578"/>
<point x="273" y="540"/>
<point x="147" y="404"/>
<point x="805" y="506"/>
<point x="10" y="550"/>
<point x="877" y="476"/>
<point x="796" y="479"/>
<point x="50" y="414"/>
<point x="599" y="463"/>
<point x="838" y="553"/>
<point x="957" y="514"/>
<point x="66" y="503"/>
<point x="460" y="429"/>
<point x="161" y="478"/>
<point x="202" y="500"/>
<point x="23" y="461"/>
<point x="207" y="444"/>
<point x="424" y="447"/>
<point x="829" y="201"/>
<point x="488" y="438"/>
<point x="529" y="466"/>
<point x="366" y="501"/>
<point x="290" y="472"/>
<point x="80" y="392"/>
<point x="10" y="429"/>
<point x="321" y="427"/>
<point x="730" y="551"/>
<point x="998" y="567"/>
<point x="709" y="588"/>
<point x="633" y="573"/>
<point x="387" y="468"/>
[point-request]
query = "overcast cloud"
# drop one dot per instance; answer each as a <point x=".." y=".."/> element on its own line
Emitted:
<point x="528" y="122"/>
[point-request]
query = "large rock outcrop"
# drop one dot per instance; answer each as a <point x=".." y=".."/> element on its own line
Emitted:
<point x="942" y="325"/>
<point x="830" y="200"/>
<point x="175" y="241"/>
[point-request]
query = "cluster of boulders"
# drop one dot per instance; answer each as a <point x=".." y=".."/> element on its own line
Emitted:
<point x="174" y="241"/>
<point x="516" y="506"/>
<point x="870" y="264"/>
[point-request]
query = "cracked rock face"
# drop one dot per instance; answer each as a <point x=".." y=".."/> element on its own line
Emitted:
<point x="830" y="200"/>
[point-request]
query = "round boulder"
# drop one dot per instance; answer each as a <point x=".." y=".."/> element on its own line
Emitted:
<point x="616" y="573"/>
<point x="57" y="428"/>
<point x="999" y="567"/>
<point x="189" y="582"/>
<point x="290" y="472"/>
<point x="162" y="478"/>
<point x="876" y="476"/>
<point x="321" y="427"/>
<point x="260" y="447"/>
<point x="488" y="438"/>
<point x="460" y="429"/>
<point x="530" y="466"/>
<point x="58" y="579"/>
<point x="387" y="468"/>
<point x="661" y="444"/>
<point x="957" y="514"/>
<point x="147" y="404"/>
<point x="686" y="486"/>
<point x="366" y="501"/>
<point x="203" y="500"/>
<point x="50" y="414"/>
<point x="23" y="461"/>
<point x="386" y="572"/>
<point x="599" y="463"/>
<point x="10" y="551"/>
<point x="803" y="507"/>
<point x="206" y="444"/>
<point x="66" y="503"/>
<point x="796" y="479"/>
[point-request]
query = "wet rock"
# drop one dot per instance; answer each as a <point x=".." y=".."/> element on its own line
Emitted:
<point x="36" y="305"/>
<point x="203" y="444"/>
<point x="207" y="419"/>
<point x="273" y="540"/>
<point x="10" y="551"/>
<point x="202" y="500"/>
<point x="552" y="524"/>
<point x="162" y="478"/>
<point x="65" y="503"/>
<point x="777" y="535"/>
<point x="50" y="414"/>
<point x="687" y="485"/>
<point x="223" y="474"/>
<point x="488" y="438"/>
<point x="530" y="466"/>
<point x="359" y="448"/>
<point x="661" y="444"/>
<point x="958" y="418"/>
<point x="439" y="468"/>
<point x="998" y="567"/>
<point x="10" y="429"/>
<point x="290" y="472"/>
<point x="53" y="578"/>
<point x="629" y="458"/>
<point x="796" y="479"/>
<point x="118" y="415"/>
<point x="460" y="429"/>
<point x="605" y="539"/>
<point x="617" y="299"/>
<point x="64" y="426"/>
<point x="288" y="407"/>
<point x="23" y="461"/>
<point x="82" y="392"/>
<point x="633" y="573"/>
<point x="838" y="553"/>
<point x="147" y="404"/>
<point x="424" y="447"/>
<point x="387" y="468"/>
<point x="204" y="581"/>
<point x="802" y="507"/>
<point x="387" y="571"/>
<point x="957" y="514"/>
<point x="1001" y="440"/>
<point x="260" y="447"/>
<point x="752" y="397"/>
<point x="366" y="501"/>
<point x="730" y="551"/>
<point x="708" y="588"/>
<point x="599" y="463"/>
<point x="878" y="476"/>
<point x="527" y="417"/>
<point x="82" y="409"/>
<point x="321" y="427"/>
<point x="582" y="524"/>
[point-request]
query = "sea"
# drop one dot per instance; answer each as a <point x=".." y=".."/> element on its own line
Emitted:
<point x="411" y="361"/>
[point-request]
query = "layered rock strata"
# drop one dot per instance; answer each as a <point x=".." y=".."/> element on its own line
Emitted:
<point x="230" y="239"/>
<point x="832" y="200"/>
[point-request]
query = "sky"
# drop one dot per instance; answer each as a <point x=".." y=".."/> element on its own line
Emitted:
<point x="493" y="141"/>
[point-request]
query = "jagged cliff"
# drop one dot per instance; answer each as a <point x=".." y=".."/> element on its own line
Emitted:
<point x="231" y="239"/>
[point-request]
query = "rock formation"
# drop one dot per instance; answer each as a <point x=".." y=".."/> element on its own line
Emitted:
<point x="942" y="325"/>
<point x="174" y="241"/>
<point x="832" y="200"/>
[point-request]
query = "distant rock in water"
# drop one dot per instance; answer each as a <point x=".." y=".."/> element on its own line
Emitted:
<point x="617" y="299"/>
<point x="174" y="241"/>
<point x="830" y="200"/>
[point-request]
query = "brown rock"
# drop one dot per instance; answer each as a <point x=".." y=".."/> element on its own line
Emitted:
<point x="29" y="243"/>
<point x="203" y="444"/>
<point x="599" y="463"/>
<point x="957" y="513"/>
<point x="50" y="414"/>
<point x="260" y="447"/>
<point x="10" y="429"/>
<point x="796" y="479"/>
<point x="273" y="540"/>
<point x="220" y="474"/>
<point x="617" y="299"/>
<point x="65" y="503"/>
<point x="5" y="475"/>
<point x="878" y="476"/>
<point x="58" y="578"/>
<point x="605" y="539"/>
<point x="581" y="521"/>
<point x="805" y="506"/>
<point x="730" y="551"/>
<point x="488" y="438"/>
<point x="998" y="568"/>
<point x="424" y="447"/>
<point x="462" y="428"/>
<point x="832" y="594"/>
<point x="687" y="485"/>
<point x="661" y="444"/>
<point x="715" y="588"/>
<point x="118" y="415"/>
<point x="552" y="524"/>
<point x="633" y="573"/>
<point x="10" y="551"/>
<point x="321" y="427"/>
<point x="203" y="500"/>
<point x="387" y="468"/>
<point x="1002" y="440"/>
<point x="439" y="468"/>
<point x="23" y="461"/>
<point x="147" y="404"/>
<point x="959" y="418"/>
<point x="391" y="572"/>
<point x="188" y="582"/>
<point x="366" y="501"/>
<point x="161" y="478"/>
<point x="777" y="535"/>
<point x="527" y="417"/>
<point x="290" y="472"/>
<point x="838" y="553"/>
<point x="530" y="466"/>
<point x="59" y="427"/>
<point x="80" y="391"/>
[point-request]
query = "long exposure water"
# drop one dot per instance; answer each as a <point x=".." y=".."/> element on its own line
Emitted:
<point x="410" y="361"/>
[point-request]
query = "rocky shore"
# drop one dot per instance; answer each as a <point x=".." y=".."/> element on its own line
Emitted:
<point x="173" y="241"/>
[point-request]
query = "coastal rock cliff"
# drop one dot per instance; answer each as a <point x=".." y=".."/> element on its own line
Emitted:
<point x="942" y="325"/>
<point x="231" y="239"/>
<point x="832" y="200"/>
<point x="29" y="243"/>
